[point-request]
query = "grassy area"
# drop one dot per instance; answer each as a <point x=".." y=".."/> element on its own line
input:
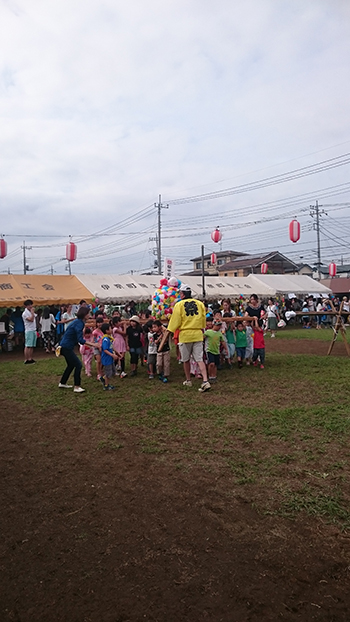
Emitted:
<point x="325" y="334"/>
<point x="281" y="435"/>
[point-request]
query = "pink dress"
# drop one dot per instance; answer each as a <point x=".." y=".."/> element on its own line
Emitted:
<point x="119" y="344"/>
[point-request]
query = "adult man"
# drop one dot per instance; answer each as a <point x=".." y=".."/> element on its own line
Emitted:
<point x="189" y="317"/>
<point x="28" y="317"/>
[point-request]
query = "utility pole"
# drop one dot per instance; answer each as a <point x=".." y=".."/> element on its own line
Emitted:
<point x="315" y="212"/>
<point x="159" y="206"/>
<point x="25" y="248"/>
<point x="203" y="273"/>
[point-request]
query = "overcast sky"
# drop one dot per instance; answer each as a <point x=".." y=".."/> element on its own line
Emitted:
<point x="105" y="104"/>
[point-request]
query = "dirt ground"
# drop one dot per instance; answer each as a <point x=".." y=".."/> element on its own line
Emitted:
<point x="119" y="536"/>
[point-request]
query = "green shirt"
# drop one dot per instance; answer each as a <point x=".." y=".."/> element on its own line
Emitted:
<point x="241" y="338"/>
<point x="214" y="338"/>
<point x="230" y="336"/>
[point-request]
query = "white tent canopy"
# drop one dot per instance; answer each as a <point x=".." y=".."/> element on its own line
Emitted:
<point x="298" y="284"/>
<point x="115" y="288"/>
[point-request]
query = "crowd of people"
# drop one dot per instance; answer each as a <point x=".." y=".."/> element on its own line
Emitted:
<point x="205" y="336"/>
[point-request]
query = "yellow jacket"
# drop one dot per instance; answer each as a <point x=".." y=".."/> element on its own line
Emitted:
<point x="189" y="316"/>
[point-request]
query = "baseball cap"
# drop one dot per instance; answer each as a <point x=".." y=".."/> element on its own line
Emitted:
<point x="184" y="288"/>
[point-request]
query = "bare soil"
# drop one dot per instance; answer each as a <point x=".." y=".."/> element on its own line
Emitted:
<point x="116" y="535"/>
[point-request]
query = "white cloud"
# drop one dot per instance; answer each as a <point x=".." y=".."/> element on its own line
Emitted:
<point x="104" y="104"/>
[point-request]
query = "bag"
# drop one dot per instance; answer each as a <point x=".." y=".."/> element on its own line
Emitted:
<point x="281" y="324"/>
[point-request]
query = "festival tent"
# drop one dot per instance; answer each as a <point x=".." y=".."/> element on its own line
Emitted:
<point x="115" y="288"/>
<point x="42" y="289"/>
<point x="298" y="284"/>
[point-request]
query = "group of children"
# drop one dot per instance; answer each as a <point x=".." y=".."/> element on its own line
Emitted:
<point x="222" y="340"/>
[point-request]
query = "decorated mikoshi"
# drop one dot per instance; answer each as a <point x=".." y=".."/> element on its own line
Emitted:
<point x="165" y="297"/>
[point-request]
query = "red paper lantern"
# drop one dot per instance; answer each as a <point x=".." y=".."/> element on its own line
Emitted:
<point x="216" y="235"/>
<point x="213" y="259"/>
<point x="264" y="268"/>
<point x="332" y="269"/>
<point x="3" y="249"/>
<point x="71" y="251"/>
<point x="294" y="230"/>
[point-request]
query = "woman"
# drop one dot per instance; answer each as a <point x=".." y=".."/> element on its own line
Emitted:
<point x="254" y="309"/>
<point x="48" y="324"/>
<point x="68" y="317"/>
<point x="226" y="307"/>
<point x="71" y="338"/>
<point x="272" y="317"/>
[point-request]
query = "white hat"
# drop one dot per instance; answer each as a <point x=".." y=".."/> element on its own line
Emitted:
<point x="184" y="288"/>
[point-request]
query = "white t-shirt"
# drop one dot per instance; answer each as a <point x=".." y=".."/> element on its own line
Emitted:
<point x="271" y="311"/>
<point x="67" y="316"/>
<point x="46" y="323"/>
<point x="28" y="325"/>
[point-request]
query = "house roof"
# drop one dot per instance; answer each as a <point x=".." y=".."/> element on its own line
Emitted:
<point x="254" y="261"/>
<point x="338" y="286"/>
<point x="220" y="254"/>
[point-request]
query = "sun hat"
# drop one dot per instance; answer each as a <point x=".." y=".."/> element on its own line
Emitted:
<point x="135" y="318"/>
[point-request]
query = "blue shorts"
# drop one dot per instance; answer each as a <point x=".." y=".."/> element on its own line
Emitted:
<point x="240" y="352"/>
<point x="213" y="358"/>
<point x="231" y="350"/>
<point x="30" y="339"/>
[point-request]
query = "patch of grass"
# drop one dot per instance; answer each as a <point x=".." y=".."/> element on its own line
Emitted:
<point x="331" y="506"/>
<point x="279" y="430"/>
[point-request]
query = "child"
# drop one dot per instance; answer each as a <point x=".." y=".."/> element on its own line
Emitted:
<point x="119" y="345"/>
<point x="259" y="343"/>
<point x="134" y="343"/>
<point x="107" y="355"/>
<point x="163" y="357"/>
<point x="86" y="351"/>
<point x="97" y="336"/>
<point x="214" y="339"/>
<point x="250" y="345"/>
<point x="241" y="343"/>
<point x="151" y="353"/>
<point x="230" y="341"/>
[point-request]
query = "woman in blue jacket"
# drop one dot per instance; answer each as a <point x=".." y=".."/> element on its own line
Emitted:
<point x="71" y="338"/>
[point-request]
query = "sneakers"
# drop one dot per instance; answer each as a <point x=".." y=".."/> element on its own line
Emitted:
<point x="187" y="383"/>
<point x="102" y="380"/>
<point x="150" y="377"/>
<point x="164" y="379"/>
<point x="65" y="386"/>
<point x="213" y="380"/>
<point x="262" y="367"/>
<point x="160" y="377"/>
<point x="205" y="386"/>
<point x="109" y="387"/>
<point x="123" y="374"/>
<point x="79" y="390"/>
<point x="133" y="373"/>
<point x="29" y="362"/>
<point x="255" y="363"/>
